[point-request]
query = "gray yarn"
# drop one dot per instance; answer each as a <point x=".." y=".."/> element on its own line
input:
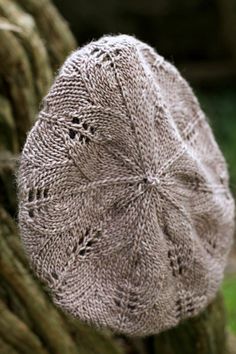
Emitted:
<point x="124" y="205"/>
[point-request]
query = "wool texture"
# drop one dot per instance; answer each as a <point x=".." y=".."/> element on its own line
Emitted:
<point x="124" y="206"/>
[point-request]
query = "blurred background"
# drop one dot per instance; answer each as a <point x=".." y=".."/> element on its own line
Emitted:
<point x="199" y="38"/>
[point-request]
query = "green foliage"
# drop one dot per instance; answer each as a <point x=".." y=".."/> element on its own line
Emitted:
<point x="229" y="291"/>
<point x="220" y="107"/>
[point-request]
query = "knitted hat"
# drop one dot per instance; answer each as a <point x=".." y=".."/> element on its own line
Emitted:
<point x="124" y="205"/>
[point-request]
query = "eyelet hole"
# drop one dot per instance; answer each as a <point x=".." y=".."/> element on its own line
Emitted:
<point x="31" y="213"/>
<point x="75" y="120"/>
<point x="30" y="195"/>
<point x="72" y="133"/>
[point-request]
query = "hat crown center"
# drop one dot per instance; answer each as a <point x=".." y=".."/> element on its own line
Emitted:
<point x="152" y="180"/>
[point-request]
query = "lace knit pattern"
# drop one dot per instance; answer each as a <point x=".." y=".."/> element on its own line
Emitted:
<point x="124" y="205"/>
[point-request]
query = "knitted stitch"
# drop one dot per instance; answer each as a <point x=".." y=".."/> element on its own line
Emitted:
<point x="124" y="205"/>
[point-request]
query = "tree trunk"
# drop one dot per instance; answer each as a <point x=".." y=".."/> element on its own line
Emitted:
<point x="34" y="42"/>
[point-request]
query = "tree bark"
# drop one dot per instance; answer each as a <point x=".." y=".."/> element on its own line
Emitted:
<point x="34" y="42"/>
